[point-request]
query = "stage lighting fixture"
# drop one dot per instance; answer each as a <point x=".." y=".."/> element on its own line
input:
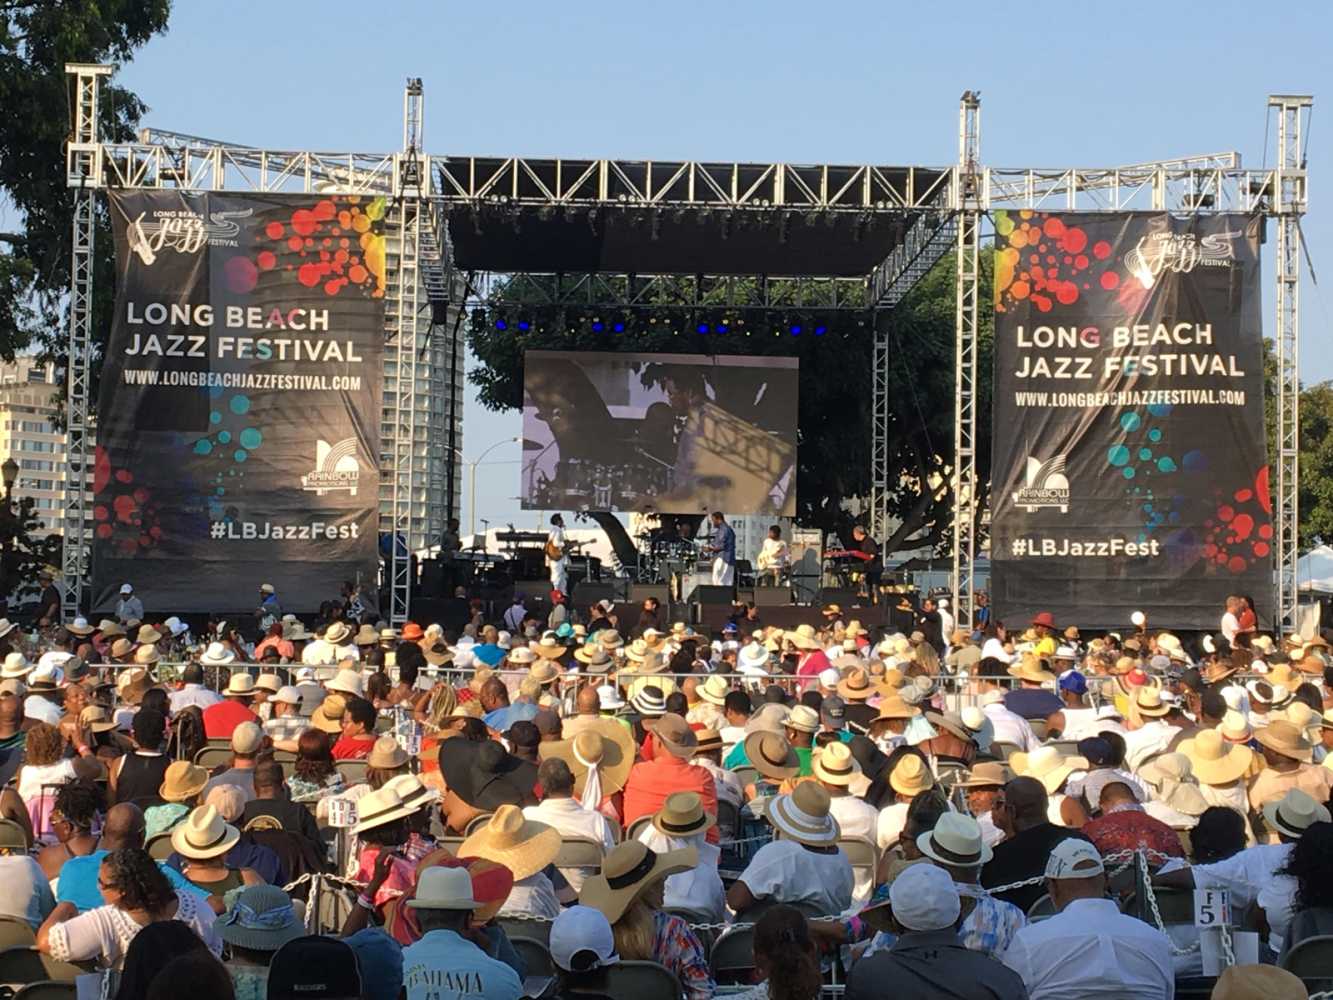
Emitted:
<point x="703" y="328"/>
<point x="821" y="330"/>
<point x="597" y="326"/>
<point x="796" y="329"/>
<point x="501" y="325"/>
<point x="618" y="327"/>
<point x="524" y="325"/>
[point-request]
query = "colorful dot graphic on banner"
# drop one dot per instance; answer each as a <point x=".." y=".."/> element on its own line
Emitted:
<point x="1241" y="528"/>
<point x="126" y="514"/>
<point x="333" y="245"/>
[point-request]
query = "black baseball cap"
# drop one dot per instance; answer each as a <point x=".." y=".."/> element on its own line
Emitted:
<point x="314" y="968"/>
<point x="833" y="712"/>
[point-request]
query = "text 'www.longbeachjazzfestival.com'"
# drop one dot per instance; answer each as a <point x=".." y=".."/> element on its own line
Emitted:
<point x="1134" y="397"/>
<point x="241" y="380"/>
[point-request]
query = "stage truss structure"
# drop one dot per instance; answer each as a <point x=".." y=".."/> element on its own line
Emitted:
<point x="939" y="211"/>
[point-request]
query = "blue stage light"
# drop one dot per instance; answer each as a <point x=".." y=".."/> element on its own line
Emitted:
<point x="703" y="327"/>
<point x="820" y="331"/>
<point x="597" y="326"/>
<point x="523" y="324"/>
<point x="619" y="328"/>
<point x="796" y="329"/>
<point x="501" y="325"/>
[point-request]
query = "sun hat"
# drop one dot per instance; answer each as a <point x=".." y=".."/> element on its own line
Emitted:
<point x="894" y="707"/>
<point x="262" y="918"/>
<point x="522" y="845"/>
<point x="581" y="940"/>
<point x="411" y="792"/>
<point x="1258" y="982"/>
<point x="610" y="639"/>
<point x="714" y="690"/>
<point x="911" y="776"/>
<point x="217" y="655"/>
<point x="673" y="734"/>
<point x="240" y="683"/>
<point x="802" y="637"/>
<point x="412" y="632"/>
<point x="1170" y="775"/>
<point x="681" y="815"/>
<point x="148" y="635"/>
<point x="271" y="683"/>
<point x="132" y="684"/>
<point x="337" y="634"/>
<point x="545" y="672"/>
<point x="440" y="888"/>
<point x="608" y="698"/>
<point x="856" y="685"/>
<point x="314" y="968"/>
<point x="1235" y="727"/>
<point x="594" y="658"/>
<point x="1048" y="764"/>
<point x="381" y="806"/>
<point x="287" y="694"/>
<point x="771" y="755"/>
<point x="629" y="870"/>
<point x="835" y="765"/>
<point x="328" y="717"/>
<point x="106" y="627"/>
<point x="146" y="655"/>
<point x="1151" y="702"/>
<point x="15" y="665"/>
<point x="204" y="834"/>
<point x="45" y="679"/>
<point x="604" y="744"/>
<point x="649" y="701"/>
<point x="803" y="719"/>
<point x="803" y="815"/>
<point x="386" y="754"/>
<point x="246" y="738"/>
<point x="1044" y="618"/>
<point x="79" y="626"/>
<point x="986" y="774"/>
<point x="753" y="657"/>
<point x="924" y="898"/>
<point x="1294" y="813"/>
<point x="95" y="719"/>
<point x="709" y="740"/>
<point x="956" y="841"/>
<point x="549" y="649"/>
<point x="347" y="682"/>
<point x="485" y="775"/>
<point x="1074" y="857"/>
<point x="1284" y="738"/>
<point x="182" y="781"/>
<point x="1032" y="669"/>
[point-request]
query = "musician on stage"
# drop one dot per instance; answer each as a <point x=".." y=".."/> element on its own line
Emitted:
<point x="723" y="547"/>
<point x="774" y="559"/>
<point x="556" y="556"/>
<point x="874" y="564"/>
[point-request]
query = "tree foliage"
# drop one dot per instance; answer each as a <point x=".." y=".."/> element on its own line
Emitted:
<point x="833" y="421"/>
<point x="37" y="38"/>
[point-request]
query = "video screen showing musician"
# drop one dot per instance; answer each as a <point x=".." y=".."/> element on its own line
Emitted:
<point x="774" y="559"/>
<point x="665" y="432"/>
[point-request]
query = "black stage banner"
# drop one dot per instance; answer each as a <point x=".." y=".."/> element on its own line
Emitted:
<point x="238" y="425"/>
<point x="1129" y="468"/>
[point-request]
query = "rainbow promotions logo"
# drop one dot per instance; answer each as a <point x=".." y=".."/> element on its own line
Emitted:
<point x="336" y="468"/>
<point x="1045" y="485"/>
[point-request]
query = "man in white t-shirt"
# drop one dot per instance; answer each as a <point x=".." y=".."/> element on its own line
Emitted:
<point x="835" y="769"/>
<point x="567" y="814"/>
<point x="1231" y="619"/>
<point x="332" y="648"/>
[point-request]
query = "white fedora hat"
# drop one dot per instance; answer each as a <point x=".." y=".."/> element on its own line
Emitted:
<point x="444" y="889"/>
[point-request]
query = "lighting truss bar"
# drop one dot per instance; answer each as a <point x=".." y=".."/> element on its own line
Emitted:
<point x="1147" y="188"/>
<point x="670" y="291"/>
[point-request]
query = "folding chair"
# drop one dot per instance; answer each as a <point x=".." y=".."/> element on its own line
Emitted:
<point x="476" y="823"/>
<point x="47" y="991"/>
<point x="1310" y="958"/>
<point x="640" y="980"/>
<point x="20" y="966"/>
<point x="532" y="930"/>
<point x="16" y="933"/>
<point x="1002" y="751"/>
<point x="209" y="757"/>
<point x="746" y="774"/>
<point x="353" y="771"/>
<point x="732" y="958"/>
<point x="634" y="829"/>
<point x="864" y="856"/>
<point x="536" y="959"/>
<point x="728" y="820"/>
<point x="1041" y="909"/>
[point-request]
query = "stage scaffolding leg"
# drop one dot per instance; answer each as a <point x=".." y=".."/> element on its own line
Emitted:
<point x="968" y="206"/>
<point x="83" y="173"/>
<point x="878" y="521"/>
<point x="1287" y="201"/>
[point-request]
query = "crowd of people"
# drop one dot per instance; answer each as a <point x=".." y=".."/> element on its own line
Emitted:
<point x="982" y="817"/>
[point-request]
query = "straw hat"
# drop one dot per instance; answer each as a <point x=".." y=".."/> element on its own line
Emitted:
<point x="328" y="717"/>
<point x="1032" y="669"/>
<point x="240" y="683"/>
<point x="803" y="637"/>
<point x="1282" y="675"/>
<point x="610" y="639"/>
<point x="337" y="633"/>
<point x="386" y="754"/>
<point x="771" y="755"/>
<point x="217" y="655"/>
<point x="1282" y="737"/>
<point x="79" y="626"/>
<point x="380" y="807"/>
<point x="629" y="870"/>
<point x="753" y="657"/>
<point x="681" y="815"/>
<point x="146" y="655"/>
<point x="1294" y="813"/>
<point x="651" y="663"/>
<point x="1048" y="765"/>
<point x="803" y="816"/>
<point x="132" y="684"/>
<point x="1171" y="775"/>
<point x="595" y="659"/>
<point x="1258" y="982"/>
<point x="522" y="845"/>
<point x="1213" y="760"/>
<point x="549" y="648"/>
<point x="835" y="765"/>
<point x="148" y="635"/>
<point x="182" y="781"/>
<point x="106" y="627"/>
<point x="803" y="719"/>
<point x="1149" y="703"/>
<point x="15" y="665"/>
<point x="95" y="719"/>
<point x="856" y="685"/>
<point x="204" y="834"/>
<point x="956" y="841"/>
<point x="604" y="743"/>
<point x="893" y="707"/>
<point x="714" y="690"/>
<point x="986" y="774"/>
<point x="545" y="672"/>
<point x="523" y="656"/>
<point x="366" y="636"/>
<point x="440" y="888"/>
<point x="911" y="775"/>
<point x="1235" y="727"/>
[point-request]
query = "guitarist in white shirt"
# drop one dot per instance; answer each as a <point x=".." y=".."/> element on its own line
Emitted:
<point x="774" y="558"/>
<point x="556" y="557"/>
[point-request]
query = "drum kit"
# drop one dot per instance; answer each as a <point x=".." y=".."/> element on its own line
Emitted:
<point x="579" y="484"/>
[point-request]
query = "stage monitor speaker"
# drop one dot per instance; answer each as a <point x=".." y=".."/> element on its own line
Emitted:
<point x="771" y="597"/>
<point x="640" y="592"/>
<point x="589" y="592"/>
<point x="842" y="598"/>
<point x="707" y="593"/>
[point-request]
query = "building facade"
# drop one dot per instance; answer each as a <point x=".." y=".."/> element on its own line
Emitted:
<point x="29" y="409"/>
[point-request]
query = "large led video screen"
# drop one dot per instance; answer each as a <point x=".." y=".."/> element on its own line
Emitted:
<point x="672" y="433"/>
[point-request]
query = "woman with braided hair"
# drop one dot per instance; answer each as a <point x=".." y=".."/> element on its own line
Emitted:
<point x="135" y="893"/>
<point x="786" y="956"/>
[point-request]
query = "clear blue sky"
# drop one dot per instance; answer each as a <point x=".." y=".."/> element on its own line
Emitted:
<point x="850" y="82"/>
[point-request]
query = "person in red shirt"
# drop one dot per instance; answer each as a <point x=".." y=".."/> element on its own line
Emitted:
<point x="672" y="743"/>
<point x="221" y="720"/>
<point x="1124" y="826"/>
<point x="358" y="731"/>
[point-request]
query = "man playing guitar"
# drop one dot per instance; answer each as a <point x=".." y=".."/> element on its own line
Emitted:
<point x="774" y="558"/>
<point x="557" y="556"/>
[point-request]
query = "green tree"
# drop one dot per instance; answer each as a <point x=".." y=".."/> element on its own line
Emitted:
<point x="37" y="38"/>
<point x="833" y="422"/>
<point x="1315" y="525"/>
<point x="24" y="549"/>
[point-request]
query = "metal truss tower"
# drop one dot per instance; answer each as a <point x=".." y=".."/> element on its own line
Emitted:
<point x="1287" y="205"/>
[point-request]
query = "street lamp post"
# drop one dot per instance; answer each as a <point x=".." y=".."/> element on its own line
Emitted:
<point x="472" y="484"/>
<point x="9" y="472"/>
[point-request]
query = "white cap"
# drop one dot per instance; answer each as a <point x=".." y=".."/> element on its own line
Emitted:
<point x="829" y="678"/>
<point x="1074" y="858"/>
<point x="579" y="929"/>
<point x="924" y="898"/>
<point x="125" y="588"/>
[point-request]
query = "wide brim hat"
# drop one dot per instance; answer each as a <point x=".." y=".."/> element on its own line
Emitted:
<point x="911" y="775"/>
<point x="522" y="845"/>
<point x="95" y="719"/>
<point x="439" y="654"/>
<point x="1294" y="813"/>
<point x="802" y="641"/>
<point x="714" y="691"/>
<point x="986" y="774"/>
<point x="791" y="816"/>
<point x="894" y="707"/>
<point x="594" y="658"/>
<point x="627" y="872"/>
<point x="382" y="806"/>
<point x="386" y="755"/>
<point x="1284" y="738"/>
<point x="337" y="633"/>
<point x="1147" y="702"/>
<point x="610" y="639"/>
<point x="182" y="781"/>
<point x="253" y="920"/>
<point x="856" y="685"/>
<point x="682" y="814"/>
<point x="328" y="717"/>
<point x="204" y="834"/>
<point x="616" y="756"/>
<point x="366" y="636"/>
<point x="74" y="628"/>
<point x="1030" y="669"/>
<point x="545" y="672"/>
<point x="753" y="657"/>
<point x="835" y="766"/>
<point x="956" y="841"/>
<point x="486" y="776"/>
<point x="240" y="683"/>
<point x="1048" y="765"/>
<point x="549" y="649"/>
<point x="212" y="658"/>
<point x="771" y="755"/>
